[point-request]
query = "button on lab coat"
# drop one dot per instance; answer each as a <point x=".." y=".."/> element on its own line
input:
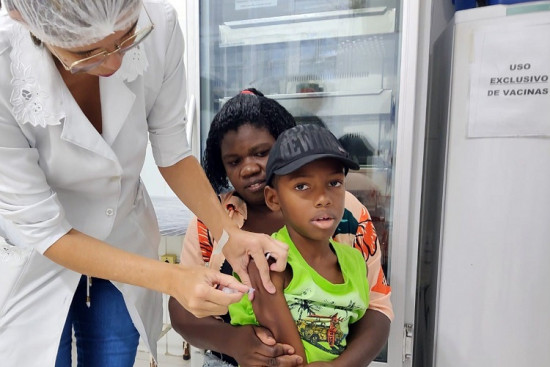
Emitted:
<point x="58" y="173"/>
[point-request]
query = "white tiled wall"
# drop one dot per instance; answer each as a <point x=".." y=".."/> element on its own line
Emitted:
<point x="170" y="245"/>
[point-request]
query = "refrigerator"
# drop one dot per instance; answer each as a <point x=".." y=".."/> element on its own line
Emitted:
<point x="483" y="298"/>
<point x="338" y="63"/>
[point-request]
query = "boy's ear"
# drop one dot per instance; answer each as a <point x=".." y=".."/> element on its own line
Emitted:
<point x="271" y="198"/>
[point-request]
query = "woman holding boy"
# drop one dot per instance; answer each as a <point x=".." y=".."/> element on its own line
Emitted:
<point x="237" y="149"/>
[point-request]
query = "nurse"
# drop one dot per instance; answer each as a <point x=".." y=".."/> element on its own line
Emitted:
<point x="83" y="86"/>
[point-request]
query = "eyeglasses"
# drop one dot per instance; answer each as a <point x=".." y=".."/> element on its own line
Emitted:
<point x="91" y="62"/>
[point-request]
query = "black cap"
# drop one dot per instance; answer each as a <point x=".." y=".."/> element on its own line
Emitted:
<point x="301" y="145"/>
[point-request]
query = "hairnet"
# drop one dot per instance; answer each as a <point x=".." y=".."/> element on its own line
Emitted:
<point x="74" y="23"/>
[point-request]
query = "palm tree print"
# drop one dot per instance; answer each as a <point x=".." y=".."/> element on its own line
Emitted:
<point x="303" y="306"/>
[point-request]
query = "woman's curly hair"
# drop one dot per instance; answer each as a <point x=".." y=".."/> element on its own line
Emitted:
<point x="248" y="107"/>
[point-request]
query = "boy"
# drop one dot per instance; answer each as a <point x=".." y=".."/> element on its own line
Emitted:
<point x="325" y="287"/>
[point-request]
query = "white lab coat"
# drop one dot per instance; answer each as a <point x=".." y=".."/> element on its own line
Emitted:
<point x="58" y="173"/>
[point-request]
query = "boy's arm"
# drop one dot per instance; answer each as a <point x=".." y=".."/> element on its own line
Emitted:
<point x="249" y="345"/>
<point x="366" y="338"/>
<point x="272" y="311"/>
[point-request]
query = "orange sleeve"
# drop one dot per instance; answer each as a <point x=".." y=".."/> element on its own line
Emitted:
<point x="197" y="245"/>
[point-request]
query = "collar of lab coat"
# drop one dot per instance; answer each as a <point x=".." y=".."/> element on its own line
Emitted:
<point x="116" y="103"/>
<point x="40" y="97"/>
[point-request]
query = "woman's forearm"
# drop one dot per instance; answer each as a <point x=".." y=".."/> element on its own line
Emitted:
<point x="193" y="287"/>
<point x="87" y="255"/>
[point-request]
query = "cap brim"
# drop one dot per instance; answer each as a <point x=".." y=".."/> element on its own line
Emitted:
<point x="293" y="166"/>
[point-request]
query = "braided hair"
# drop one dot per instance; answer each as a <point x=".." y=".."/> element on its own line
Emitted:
<point x="248" y="107"/>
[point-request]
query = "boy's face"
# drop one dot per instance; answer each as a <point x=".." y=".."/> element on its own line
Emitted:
<point x="311" y="199"/>
<point x="244" y="157"/>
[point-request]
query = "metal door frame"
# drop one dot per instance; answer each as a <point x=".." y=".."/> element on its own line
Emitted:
<point x="411" y="112"/>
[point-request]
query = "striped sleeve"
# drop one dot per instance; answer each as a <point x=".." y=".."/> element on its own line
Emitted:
<point x="205" y="241"/>
<point x="197" y="245"/>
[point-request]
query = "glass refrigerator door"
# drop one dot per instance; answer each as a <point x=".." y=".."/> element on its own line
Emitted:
<point x="334" y="63"/>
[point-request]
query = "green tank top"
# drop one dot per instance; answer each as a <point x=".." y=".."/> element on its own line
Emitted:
<point x="322" y="310"/>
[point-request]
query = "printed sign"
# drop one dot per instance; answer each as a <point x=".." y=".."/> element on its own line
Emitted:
<point x="250" y="4"/>
<point x="510" y="82"/>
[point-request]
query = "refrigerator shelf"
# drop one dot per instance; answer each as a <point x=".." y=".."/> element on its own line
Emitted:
<point x="377" y="102"/>
<point x="342" y="23"/>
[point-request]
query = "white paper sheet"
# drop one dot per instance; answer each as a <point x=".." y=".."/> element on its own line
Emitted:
<point x="510" y="81"/>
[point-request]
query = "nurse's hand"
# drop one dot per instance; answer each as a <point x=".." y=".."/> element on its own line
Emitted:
<point x="199" y="290"/>
<point x="243" y="245"/>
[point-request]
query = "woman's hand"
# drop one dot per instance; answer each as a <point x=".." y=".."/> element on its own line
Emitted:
<point x="242" y="246"/>
<point x="187" y="179"/>
<point x="198" y="289"/>
<point x="256" y="346"/>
